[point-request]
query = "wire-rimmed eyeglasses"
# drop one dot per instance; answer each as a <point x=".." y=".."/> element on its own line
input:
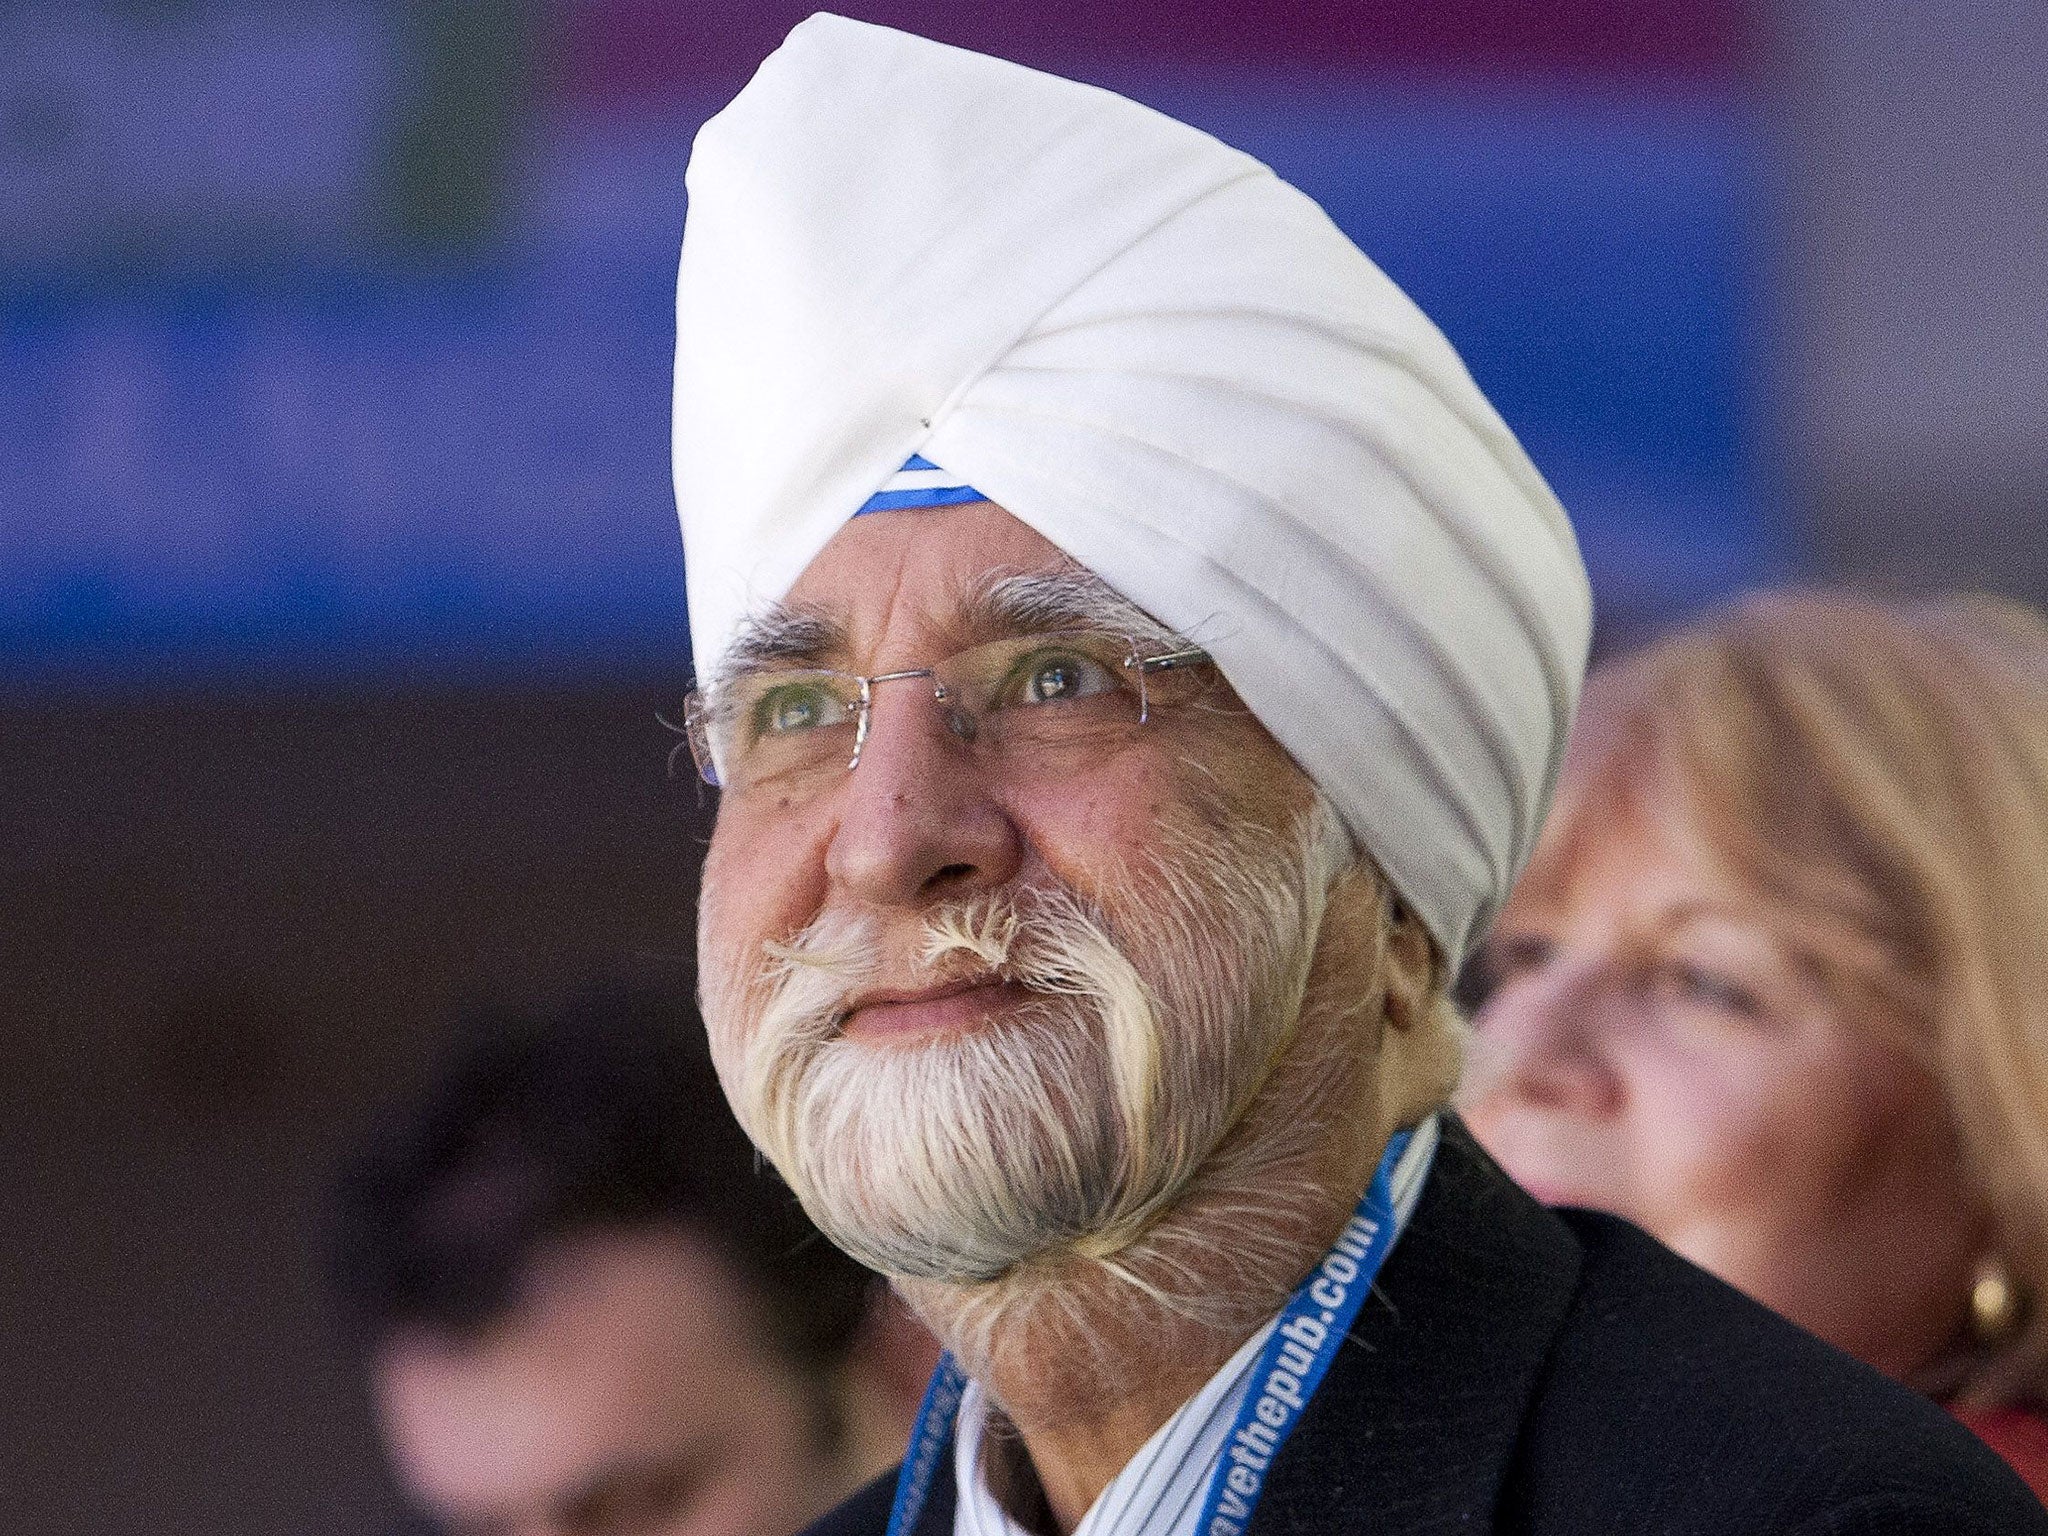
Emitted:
<point x="1029" y="698"/>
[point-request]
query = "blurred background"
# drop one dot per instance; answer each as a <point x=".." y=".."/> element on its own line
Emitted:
<point x="339" y="579"/>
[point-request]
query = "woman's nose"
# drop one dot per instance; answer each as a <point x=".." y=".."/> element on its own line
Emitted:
<point x="1545" y="1038"/>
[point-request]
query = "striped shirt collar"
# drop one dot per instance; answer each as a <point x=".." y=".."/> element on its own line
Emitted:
<point x="1159" y="1491"/>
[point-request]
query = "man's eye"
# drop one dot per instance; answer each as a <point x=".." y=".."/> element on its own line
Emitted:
<point x="794" y="707"/>
<point x="1058" y="677"/>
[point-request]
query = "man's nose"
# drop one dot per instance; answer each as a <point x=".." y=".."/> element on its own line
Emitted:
<point x="1547" y="1035"/>
<point x="918" y="819"/>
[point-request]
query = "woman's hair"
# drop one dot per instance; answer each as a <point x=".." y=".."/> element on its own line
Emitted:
<point x="1876" y="775"/>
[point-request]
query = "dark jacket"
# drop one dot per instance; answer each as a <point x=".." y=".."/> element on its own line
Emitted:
<point x="1522" y="1370"/>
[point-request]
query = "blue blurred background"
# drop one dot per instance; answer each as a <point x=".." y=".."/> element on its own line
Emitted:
<point x="339" y="579"/>
<point x="336" y="338"/>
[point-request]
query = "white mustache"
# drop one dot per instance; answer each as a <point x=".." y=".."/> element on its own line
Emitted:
<point x="1030" y="1076"/>
<point x="1031" y="938"/>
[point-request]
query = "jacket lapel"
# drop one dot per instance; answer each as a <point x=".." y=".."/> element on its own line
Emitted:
<point x="1415" y="1426"/>
<point x="936" y="1518"/>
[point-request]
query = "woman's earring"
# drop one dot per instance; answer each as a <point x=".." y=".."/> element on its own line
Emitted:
<point x="1997" y="1303"/>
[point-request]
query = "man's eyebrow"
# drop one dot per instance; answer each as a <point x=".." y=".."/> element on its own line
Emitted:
<point x="1034" y="602"/>
<point x="781" y="636"/>
<point x="1074" y="598"/>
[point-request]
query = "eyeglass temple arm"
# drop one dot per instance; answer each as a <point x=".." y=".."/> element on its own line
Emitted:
<point x="1187" y="658"/>
<point x="1147" y="665"/>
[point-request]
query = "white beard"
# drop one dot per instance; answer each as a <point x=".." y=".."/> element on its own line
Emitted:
<point x="1070" y="1124"/>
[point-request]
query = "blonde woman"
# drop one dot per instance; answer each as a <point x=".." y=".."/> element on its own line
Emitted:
<point x="1776" y="983"/>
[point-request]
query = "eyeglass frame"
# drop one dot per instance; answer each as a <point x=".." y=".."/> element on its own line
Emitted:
<point x="695" y="702"/>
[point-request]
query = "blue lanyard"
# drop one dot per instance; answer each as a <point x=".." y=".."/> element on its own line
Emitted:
<point x="930" y="1438"/>
<point x="1292" y="1365"/>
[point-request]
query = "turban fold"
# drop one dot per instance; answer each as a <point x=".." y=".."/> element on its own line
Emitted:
<point x="1146" y="346"/>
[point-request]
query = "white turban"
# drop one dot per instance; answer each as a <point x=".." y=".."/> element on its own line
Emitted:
<point x="1147" y="347"/>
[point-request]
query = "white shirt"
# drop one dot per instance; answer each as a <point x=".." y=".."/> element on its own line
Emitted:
<point x="1159" y="1491"/>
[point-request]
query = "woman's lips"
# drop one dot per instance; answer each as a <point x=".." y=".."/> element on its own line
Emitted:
<point x="947" y="1009"/>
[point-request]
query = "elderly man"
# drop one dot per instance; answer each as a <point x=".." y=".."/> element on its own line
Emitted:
<point x="1134" y="659"/>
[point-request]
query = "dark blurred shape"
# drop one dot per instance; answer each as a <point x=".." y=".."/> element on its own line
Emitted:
<point x="237" y="928"/>
<point x="452" y="162"/>
<point x="606" y="1116"/>
<point x="219" y="1051"/>
<point x="587" y="1307"/>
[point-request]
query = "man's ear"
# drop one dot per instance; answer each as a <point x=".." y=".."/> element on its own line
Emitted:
<point x="1414" y="970"/>
<point x="1422" y="1051"/>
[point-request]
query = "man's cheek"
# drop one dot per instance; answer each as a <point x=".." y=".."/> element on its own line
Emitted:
<point x="728" y="957"/>
<point x="768" y="881"/>
<point x="735" y="906"/>
<point x="1080" y="826"/>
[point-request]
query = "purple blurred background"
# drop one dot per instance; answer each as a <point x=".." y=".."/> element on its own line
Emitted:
<point x="339" y="579"/>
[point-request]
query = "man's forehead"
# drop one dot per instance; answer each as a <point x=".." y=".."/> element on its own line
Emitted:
<point x="938" y="576"/>
<point x="930" y="555"/>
